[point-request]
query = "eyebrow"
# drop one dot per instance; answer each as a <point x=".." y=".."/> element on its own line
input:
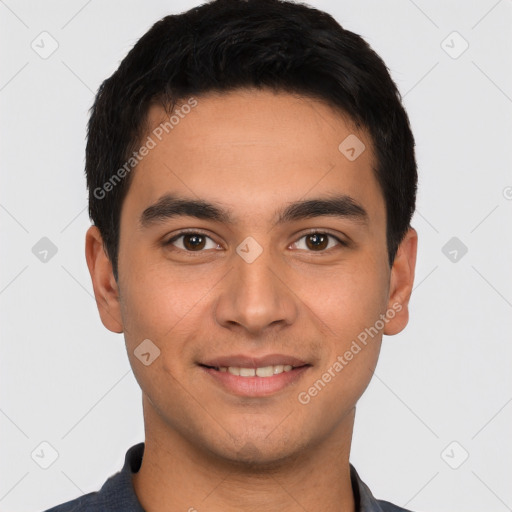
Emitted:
<point x="171" y="206"/>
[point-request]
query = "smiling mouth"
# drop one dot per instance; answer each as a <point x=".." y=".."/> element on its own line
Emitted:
<point x="262" y="371"/>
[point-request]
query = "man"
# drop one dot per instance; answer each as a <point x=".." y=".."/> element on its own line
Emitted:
<point x="252" y="178"/>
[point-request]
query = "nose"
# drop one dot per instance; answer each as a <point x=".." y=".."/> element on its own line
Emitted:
<point x="255" y="296"/>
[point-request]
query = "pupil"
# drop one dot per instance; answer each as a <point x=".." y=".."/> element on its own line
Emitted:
<point x="194" y="241"/>
<point x="318" y="240"/>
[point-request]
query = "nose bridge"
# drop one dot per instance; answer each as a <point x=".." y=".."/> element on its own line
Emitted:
<point x="257" y="275"/>
<point x="255" y="296"/>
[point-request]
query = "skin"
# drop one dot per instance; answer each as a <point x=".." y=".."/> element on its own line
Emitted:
<point x="251" y="152"/>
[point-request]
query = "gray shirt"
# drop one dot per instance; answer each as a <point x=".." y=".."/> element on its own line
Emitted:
<point x="118" y="495"/>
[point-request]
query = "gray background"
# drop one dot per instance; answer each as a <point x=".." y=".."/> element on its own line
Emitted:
<point x="442" y="388"/>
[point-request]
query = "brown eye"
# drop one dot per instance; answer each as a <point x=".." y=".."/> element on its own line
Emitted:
<point x="317" y="241"/>
<point x="191" y="242"/>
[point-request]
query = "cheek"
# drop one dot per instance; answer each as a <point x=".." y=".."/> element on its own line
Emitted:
<point x="349" y="306"/>
<point x="172" y="308"/>
<point x="159" y="309"/>
<point x="352" y="299"/>
<point x="150" y="309"/>
<point x="155" y="297"/>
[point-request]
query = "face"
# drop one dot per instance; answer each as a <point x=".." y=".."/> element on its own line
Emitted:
<point x="266" y="300"/>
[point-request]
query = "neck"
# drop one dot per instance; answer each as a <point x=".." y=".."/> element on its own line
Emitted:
<point x="178" y="475"/>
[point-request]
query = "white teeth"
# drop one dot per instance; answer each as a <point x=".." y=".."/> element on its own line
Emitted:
<point x="264" y="371"/>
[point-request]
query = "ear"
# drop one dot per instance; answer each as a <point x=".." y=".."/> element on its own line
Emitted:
<point x="105" y="287"/>
<point x="401" y="282"/>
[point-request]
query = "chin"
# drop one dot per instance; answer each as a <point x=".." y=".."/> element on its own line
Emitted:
<point x="259" y="453"/>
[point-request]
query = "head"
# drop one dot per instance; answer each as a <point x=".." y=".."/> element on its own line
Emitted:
<point x="251" y="124"/>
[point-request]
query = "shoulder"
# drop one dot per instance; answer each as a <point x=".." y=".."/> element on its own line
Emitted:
<point x="105" y="500"/>
<point x="117" y="493"/>
<point x="98" y="501"/>
<point x="86" y="503"/>
<point x="386" y="506"/>
<point x="365" y="501"/>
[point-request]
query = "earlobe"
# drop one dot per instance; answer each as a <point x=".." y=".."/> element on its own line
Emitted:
<point x="401" y="283"/>
<point x="104" y="284"/>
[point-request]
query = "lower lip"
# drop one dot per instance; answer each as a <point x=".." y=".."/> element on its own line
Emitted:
<point x="256" y="386"/>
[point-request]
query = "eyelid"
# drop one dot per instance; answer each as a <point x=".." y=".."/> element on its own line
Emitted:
<point x="189" y="231"/>
<point x="310" y="231"/>
<point x="313" y="231"/>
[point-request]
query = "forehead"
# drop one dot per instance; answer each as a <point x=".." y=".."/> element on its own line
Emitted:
<point x="254" y="148"/>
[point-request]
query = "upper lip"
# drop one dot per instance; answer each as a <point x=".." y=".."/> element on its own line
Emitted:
<point x="243" y="361"/>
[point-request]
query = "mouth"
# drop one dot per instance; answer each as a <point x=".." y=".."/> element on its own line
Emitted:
<point x="255" y="377"/>
<point x="261" y="371"/>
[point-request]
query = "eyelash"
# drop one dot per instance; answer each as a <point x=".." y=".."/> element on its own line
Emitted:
<point x="198" y="232"/>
